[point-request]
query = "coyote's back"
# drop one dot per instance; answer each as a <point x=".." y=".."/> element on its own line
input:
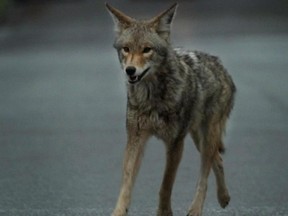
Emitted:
<point x="171" y="93"/>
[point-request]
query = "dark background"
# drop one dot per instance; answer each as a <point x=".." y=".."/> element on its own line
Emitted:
<point x="62" y="107"/>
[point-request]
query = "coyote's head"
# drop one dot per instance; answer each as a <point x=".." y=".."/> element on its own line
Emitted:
<point x="141" y="44"/>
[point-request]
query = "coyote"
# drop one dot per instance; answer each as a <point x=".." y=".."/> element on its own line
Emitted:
<point x="170" y="93"/>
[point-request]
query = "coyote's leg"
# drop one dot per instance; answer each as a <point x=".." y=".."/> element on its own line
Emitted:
<point x="132" y="159"/>
<point x="207" y="150"/>
<point x="173" y="157"/>
<point x="222" y="191"/>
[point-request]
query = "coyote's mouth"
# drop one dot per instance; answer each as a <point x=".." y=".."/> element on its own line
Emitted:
<point x="134" y="79"/>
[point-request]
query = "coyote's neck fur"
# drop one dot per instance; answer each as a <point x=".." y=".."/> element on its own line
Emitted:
<point x="170" y="94"/>
<point x="153" y="94"/>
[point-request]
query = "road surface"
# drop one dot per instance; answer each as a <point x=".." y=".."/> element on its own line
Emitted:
<point x="62" y="112"/>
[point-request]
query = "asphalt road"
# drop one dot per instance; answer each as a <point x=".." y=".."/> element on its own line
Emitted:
<point x="62" y="112"/>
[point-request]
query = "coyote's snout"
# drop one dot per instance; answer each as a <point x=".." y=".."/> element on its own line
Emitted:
<point x="171" y="92"/>
<point x="136" y="62"/>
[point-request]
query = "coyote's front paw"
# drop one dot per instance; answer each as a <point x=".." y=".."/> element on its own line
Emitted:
<point x="223" y="198"/>
<point x="195" y="212"/>
<point x="120" y="212"/>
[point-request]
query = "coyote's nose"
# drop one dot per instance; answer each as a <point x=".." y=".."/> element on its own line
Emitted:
<point x="130" y="70"/>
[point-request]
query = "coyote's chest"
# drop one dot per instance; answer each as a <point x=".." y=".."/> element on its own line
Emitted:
<point x="158" y="117"/>
<point x="155" y="107"/>
<point x="154" y="121"/>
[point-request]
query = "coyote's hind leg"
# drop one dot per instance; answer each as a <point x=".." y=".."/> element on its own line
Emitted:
<point x="208" y="142"/>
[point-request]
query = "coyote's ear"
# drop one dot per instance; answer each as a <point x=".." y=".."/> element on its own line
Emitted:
<point x="121" y="20"/>
<point x="162" y="22"/>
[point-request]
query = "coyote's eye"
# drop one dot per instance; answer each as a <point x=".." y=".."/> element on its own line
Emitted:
<point x="147" y="49"/>
<point x="126" y="49"/>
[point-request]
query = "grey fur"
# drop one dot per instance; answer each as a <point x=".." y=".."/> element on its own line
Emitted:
<point x="183" y="92"/>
